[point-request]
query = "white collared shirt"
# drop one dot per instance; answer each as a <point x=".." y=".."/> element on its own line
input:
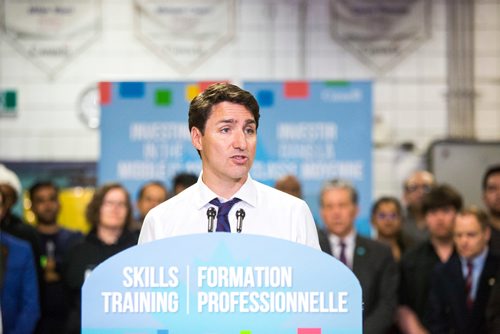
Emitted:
<point x="350" y="244"/>
<point x="268" y="212"/>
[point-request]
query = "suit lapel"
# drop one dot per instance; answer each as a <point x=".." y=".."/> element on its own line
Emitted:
<point x="486" y="281"/>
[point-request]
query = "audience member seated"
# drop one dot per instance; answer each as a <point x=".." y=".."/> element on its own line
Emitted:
<point x="55" y="241"/>
<point x="110" y="214"/>
<point x="19" y="302"/>
<point x="414" y="189"/>
<point x="386" y="218"/>
<point x="439" y="207"/>
<point x="491" y="198"/>
<point x="370" y="261"/>
<point x="461" y="287"/>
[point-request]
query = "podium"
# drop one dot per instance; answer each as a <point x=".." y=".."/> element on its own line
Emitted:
<point x="221" y="283"/>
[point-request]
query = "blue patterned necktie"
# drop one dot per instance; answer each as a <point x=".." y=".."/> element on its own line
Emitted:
<point x="224" y="208"/>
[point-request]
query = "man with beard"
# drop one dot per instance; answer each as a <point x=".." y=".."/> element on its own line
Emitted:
<point x="440" y="207"/>
<point x="491" y="199"/>
<point x="54" y="243"/>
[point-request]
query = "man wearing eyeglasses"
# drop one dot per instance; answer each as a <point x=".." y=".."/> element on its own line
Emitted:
<point x="415" y="187"/>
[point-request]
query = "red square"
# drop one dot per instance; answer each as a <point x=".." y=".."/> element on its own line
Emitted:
<point x="296" y="89"/>
<point x="308" y="330"/>
<point x="105" y="92"/>
<point x="204" y="84"/>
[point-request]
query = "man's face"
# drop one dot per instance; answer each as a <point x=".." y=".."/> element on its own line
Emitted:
<point x="440" y="222"/>
<point x="470" y="239"/>
<point x="152" y="195"/>
<point x="9" y="198"/>
<point x="338" y="211"/>
<point x="491" y="195"/>
<point x="45" y="205"/>
<point x="386" y="220"/>
<point x="228" y="144"/>
<point x="416" y="187"/>
<point x="114" y="210"/>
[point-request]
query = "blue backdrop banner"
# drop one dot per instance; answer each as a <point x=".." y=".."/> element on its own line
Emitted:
<point x="221" y="283"/>
<point x="315" y="130"/>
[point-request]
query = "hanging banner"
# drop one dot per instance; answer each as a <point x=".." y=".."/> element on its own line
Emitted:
<point x="50" y="32"/>
<point x="317" y="131"/>
<point x="226" y="284"/>
<point x="380" y="32"/>
<point x="184" y="32"/>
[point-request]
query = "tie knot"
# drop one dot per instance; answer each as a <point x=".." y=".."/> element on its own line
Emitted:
<point x="225" y="207"/>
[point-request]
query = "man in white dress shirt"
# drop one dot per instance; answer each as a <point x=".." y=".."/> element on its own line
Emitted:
<point x="223" y="122"/>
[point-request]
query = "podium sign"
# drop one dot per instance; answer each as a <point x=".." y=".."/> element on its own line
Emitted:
<point x="221" y="283"/>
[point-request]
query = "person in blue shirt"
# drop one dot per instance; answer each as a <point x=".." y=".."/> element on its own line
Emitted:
<point x="18" y="284"/>
<point x="461" y="287"/>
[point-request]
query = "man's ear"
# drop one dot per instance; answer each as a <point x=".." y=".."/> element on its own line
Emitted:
<point x="196" y="137"/>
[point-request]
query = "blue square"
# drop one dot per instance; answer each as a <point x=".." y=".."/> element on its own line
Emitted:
<point x="162" y="331"/>
<point x="132" y="90"/>
<point x="265" y="98"/>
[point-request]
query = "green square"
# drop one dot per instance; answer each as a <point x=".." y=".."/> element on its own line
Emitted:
<point x="163" y="97"/>
<point x="245" y="332"/>
<point x="8" y="100"/>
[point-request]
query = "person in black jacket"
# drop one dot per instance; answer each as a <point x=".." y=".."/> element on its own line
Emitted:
<point x="461" y="287"/>
<point x="110" y="214"/>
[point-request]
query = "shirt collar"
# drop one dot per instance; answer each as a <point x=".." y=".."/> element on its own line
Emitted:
<point x="349" y="239"/>
<point x="478" y="261"/>
<point x="247" y="193"/>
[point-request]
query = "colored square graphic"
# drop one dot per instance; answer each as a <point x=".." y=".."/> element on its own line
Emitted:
<point x="204" y="84"/>
<point x="162" y="331"/>
<point x="265" y="98"/>
<point x="308" y="330"/>
<point x="163" y="97"/>
<point x="104" y="92"/>
<point x="132" y="90"/>
<point x="245" y="332"/>
<point x="296" y="89"/>
<point x="10" y="99"/>
<point x="192" y="91"/>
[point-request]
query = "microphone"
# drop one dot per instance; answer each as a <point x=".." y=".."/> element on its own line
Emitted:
<point x="240" y="214"/>
<point x="211" y="217"/>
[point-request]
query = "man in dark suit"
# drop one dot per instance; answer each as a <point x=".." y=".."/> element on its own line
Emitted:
<point x="370" y="261"/>
<point x="461" y="287"/>
<point x="493" y="309"/>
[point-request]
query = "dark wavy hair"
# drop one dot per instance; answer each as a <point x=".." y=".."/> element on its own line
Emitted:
<point x="441" y="197"/>
<point x="201" y="106"/>
<point x="94" y="207"/>
<point x="387" y="199"/>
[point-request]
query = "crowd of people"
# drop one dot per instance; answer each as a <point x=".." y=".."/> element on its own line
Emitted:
<point x="431" y="265"/>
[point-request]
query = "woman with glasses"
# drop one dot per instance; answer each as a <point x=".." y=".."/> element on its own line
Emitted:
<point x="387" y="220"/>
<point x="110" y="215"/>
